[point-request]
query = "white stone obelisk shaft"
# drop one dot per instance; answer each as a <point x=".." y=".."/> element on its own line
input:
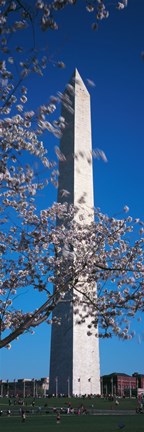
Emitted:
<point x="74" y="364"/>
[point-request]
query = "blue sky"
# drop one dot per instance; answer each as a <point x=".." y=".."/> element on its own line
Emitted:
<point x="111" y="57"/>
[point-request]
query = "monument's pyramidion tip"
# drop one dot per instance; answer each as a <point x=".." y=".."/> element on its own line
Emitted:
<point x="78" y="79"/>
<point x="76" y="73"/>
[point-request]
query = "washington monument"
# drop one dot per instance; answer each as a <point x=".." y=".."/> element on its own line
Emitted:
<point x="74" y="362"/>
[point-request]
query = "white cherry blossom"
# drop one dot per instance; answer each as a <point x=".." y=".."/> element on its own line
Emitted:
<point x="44" y="246"/>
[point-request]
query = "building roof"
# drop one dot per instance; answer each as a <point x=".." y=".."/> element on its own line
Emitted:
<point x="116" y="374"/>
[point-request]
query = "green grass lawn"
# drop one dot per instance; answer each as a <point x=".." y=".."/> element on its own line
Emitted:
<point x="96" y="403"/>
<point x="134" y="423"/>
<point x="40" y="421"/>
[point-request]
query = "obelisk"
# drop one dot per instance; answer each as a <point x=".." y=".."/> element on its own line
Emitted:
<point x="74" y="361"/>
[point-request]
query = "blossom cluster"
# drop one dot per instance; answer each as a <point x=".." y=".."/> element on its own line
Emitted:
<point x="97" y="267"/>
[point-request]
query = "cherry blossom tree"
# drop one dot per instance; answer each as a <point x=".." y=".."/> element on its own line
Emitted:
<point x="73" y="256"/>
<point x="35" y="250"/>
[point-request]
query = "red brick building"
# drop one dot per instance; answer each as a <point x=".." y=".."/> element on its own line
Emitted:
<point x="140" y="379"/>
<point x="119" y="384"/>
